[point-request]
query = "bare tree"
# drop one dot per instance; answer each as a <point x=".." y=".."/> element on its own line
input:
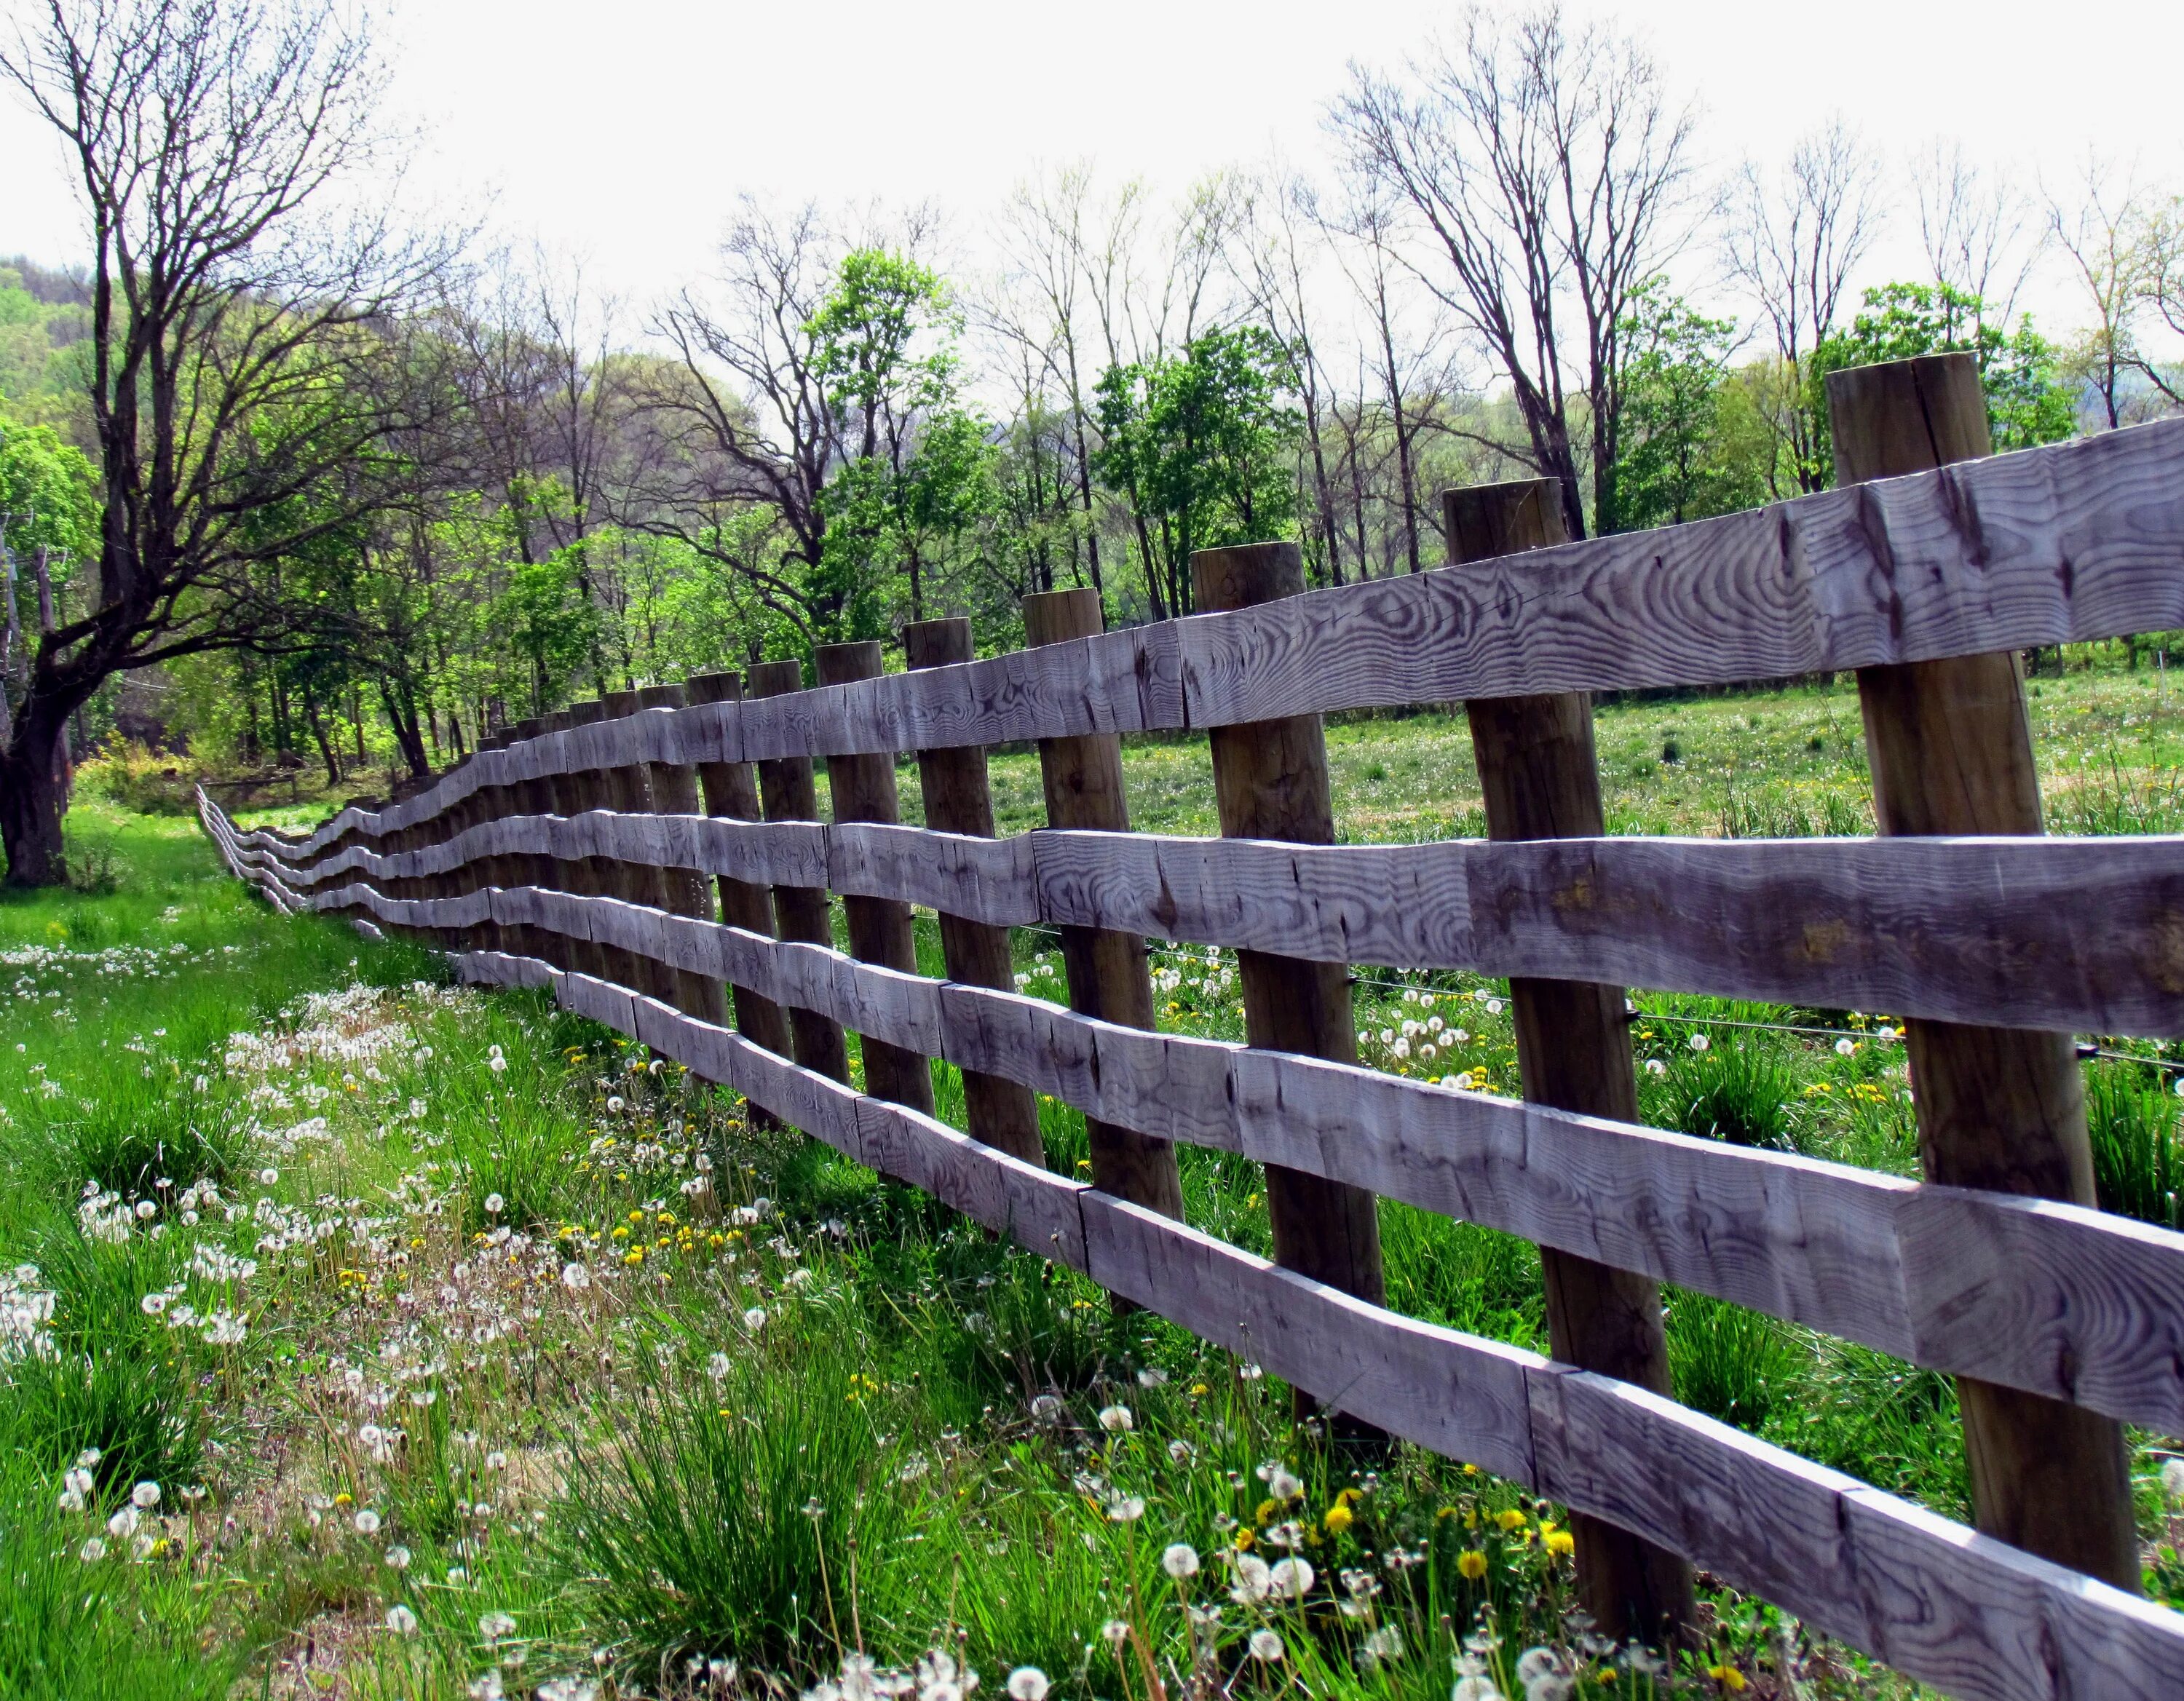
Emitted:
<point x="2103" y="233"/>
<point x="2162" y="271"/>
<point x="251" y="391"/>
<point x="1793" y="243"/>
<point x="1980" y="233"/>
<point x="747" y="420"/>
<point x="1547" y="164"/>
<point x="1281" y="242"/>
<point x="1037" y="310"/>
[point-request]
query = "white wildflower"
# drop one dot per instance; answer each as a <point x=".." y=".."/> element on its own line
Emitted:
<point x="1180" y="1560"/>
<point x="401" y="1620"/>
<point x="1266" y="1647"/>
<point x="1027" y="1683"/>
<point x="1116" y="1418"/>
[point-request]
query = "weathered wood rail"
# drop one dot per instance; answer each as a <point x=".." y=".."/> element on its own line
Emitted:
<point x="2025" y="1295"/>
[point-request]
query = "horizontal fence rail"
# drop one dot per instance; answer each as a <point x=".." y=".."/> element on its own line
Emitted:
<point x="2073" y="933"/>
<point x="2058" y="545"/>
<point x="511" y="862"/>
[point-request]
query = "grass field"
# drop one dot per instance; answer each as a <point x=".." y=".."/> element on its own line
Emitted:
<point x="472" y="1354"/>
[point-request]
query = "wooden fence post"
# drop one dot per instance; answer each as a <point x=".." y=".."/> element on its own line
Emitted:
<point x="588" y="790"/>
<point x="1270" y="782"/>
<point x="674" y="788"/>
<point x="731" y="790"/>
<point x="1950" y="745"/>
<point x="1538" y="771"/>
<point x="1108" y="975"/>
<point x="629" y="792"/>
<point x="788" y="792"/>
<point x="530" y="868"/>
<point x="959" y="799"/>
<point x="862" y="789"/>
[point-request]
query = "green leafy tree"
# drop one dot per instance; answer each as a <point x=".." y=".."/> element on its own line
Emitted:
<point x="915" y="473"/>
<point x="1203" y="446"/>
<point x="2027" y="402"/>
<point x="1676" y="460"/>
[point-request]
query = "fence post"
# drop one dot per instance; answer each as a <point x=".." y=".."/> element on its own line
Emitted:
<point x="731" y="790"/>
<point x="674" y="788"/>
<point x="549" y="794"/>
<point x="629" y="792"/>
<point x="482" y="804"/>
<point x="528" y="868"/>
<point x="1950" y="745"/>
<point x="788" y="792"/>
<point x="1108" y="976"/>
<point x="959" y="799"/>
<point x="1537" y="770"/>
<point x="861" y="788"/>
<point x="588" y="790"/>
<point x="1270" y="782"/>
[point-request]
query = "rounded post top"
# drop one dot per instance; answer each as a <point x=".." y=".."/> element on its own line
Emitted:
<point x="661" y="697"/>
<point x="619" y="703"/>
<point x="560" y="720"/>
<point x="841" y="664"/>
<point x="715" y="687"/>
<point x="1487" y="521"/>
<point x="1054" y="617"/>
<point x="529" y="729"/>
<point x="1241" y="574"/>
<point x="584" y="714"/>
<point x="1907" y="416"/>
<point x="774" y="678"/>
<point x="938" y="643"/>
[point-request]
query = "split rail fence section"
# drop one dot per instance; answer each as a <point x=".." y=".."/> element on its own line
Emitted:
<point x="582" y="856"/>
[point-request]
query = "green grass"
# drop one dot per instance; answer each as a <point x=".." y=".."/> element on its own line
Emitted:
<point x="565" y="1450"/>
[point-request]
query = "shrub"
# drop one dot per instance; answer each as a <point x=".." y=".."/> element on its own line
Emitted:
<point x="1729" y="1362"/>
<point x="136" y="777"/>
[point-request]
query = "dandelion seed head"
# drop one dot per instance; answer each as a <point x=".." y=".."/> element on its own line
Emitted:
<point x="1266" y="1647"/>
<point x="1180" y="1560"/>
<point x="401" y="1620"/>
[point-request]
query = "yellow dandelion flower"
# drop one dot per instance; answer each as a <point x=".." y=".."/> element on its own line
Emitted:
<point x="1338" y="1518"/>
<point x="1266" y="1513"/>
<point x="344" y="1499"/>
<point x="1471" y="1565"/>
<point x="635" y="1256"/>
<point x="1198" y="1389"/>
<point x="1245" y="1541"/>
<point x="1510" y="1519"/>
<point x="1731" y="1679"/>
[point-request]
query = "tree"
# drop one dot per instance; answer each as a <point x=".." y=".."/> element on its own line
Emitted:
<point x="1793" y="245"/>
<point x="1547" y="165"/>
<point x="1203" y="440"/>
<point x="2103" y="235"/>
<point x="48" y="526"/>
<point x="246" y="360"/>
<point x="2027" y="402"/>
<point x="1674" y="464"/>
<point x="915" y="463"/>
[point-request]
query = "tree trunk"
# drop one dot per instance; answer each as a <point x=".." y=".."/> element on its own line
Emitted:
<point x="33" y="798"/>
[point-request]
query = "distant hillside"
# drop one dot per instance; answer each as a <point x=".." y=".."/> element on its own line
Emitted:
<point x="45" y="314"/>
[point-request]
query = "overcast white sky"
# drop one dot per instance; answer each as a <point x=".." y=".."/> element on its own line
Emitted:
<point x="625" y="131"/>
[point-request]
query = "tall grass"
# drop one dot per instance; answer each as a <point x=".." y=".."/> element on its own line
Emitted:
<point x="2138" y="1160"/>
<point x="727" y="1509"/>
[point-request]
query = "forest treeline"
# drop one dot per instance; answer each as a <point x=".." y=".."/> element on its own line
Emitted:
<point x="359" y="499"/>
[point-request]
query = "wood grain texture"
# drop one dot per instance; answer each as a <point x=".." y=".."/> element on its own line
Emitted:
<point x="974" y="941"/>
<point x="1106" y="971"/>
<point x="1040" y="1211"/>
<point x="788" y="792"/>
<point x="2046" y="545"/>
<point x="1950" y="745"/>
<point x="1540" y="780"/>
<point x="1270" y="782"/>
<point x="861" y="789"/>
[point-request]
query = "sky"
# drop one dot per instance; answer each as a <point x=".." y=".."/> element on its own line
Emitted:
<point x="623" y="132"/>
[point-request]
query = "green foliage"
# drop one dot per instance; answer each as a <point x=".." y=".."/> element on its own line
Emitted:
<point x="722" y="1517"/>
<point x="1202" y="445"/>
<point x="1741" y="1090"/>
<point x="2027" y="400"/>
<point x="2138" y="1155"/>
<point x="1673" y="464"/>
<point x="915" y="477"/>
<point x="49" y="499"/>
<point x="1729" y="1363"/>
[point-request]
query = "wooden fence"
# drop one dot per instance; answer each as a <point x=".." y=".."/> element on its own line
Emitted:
<point x="576" y="855"/>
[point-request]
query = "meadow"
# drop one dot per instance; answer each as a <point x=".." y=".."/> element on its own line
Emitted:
<point x="369" y="1336"/>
